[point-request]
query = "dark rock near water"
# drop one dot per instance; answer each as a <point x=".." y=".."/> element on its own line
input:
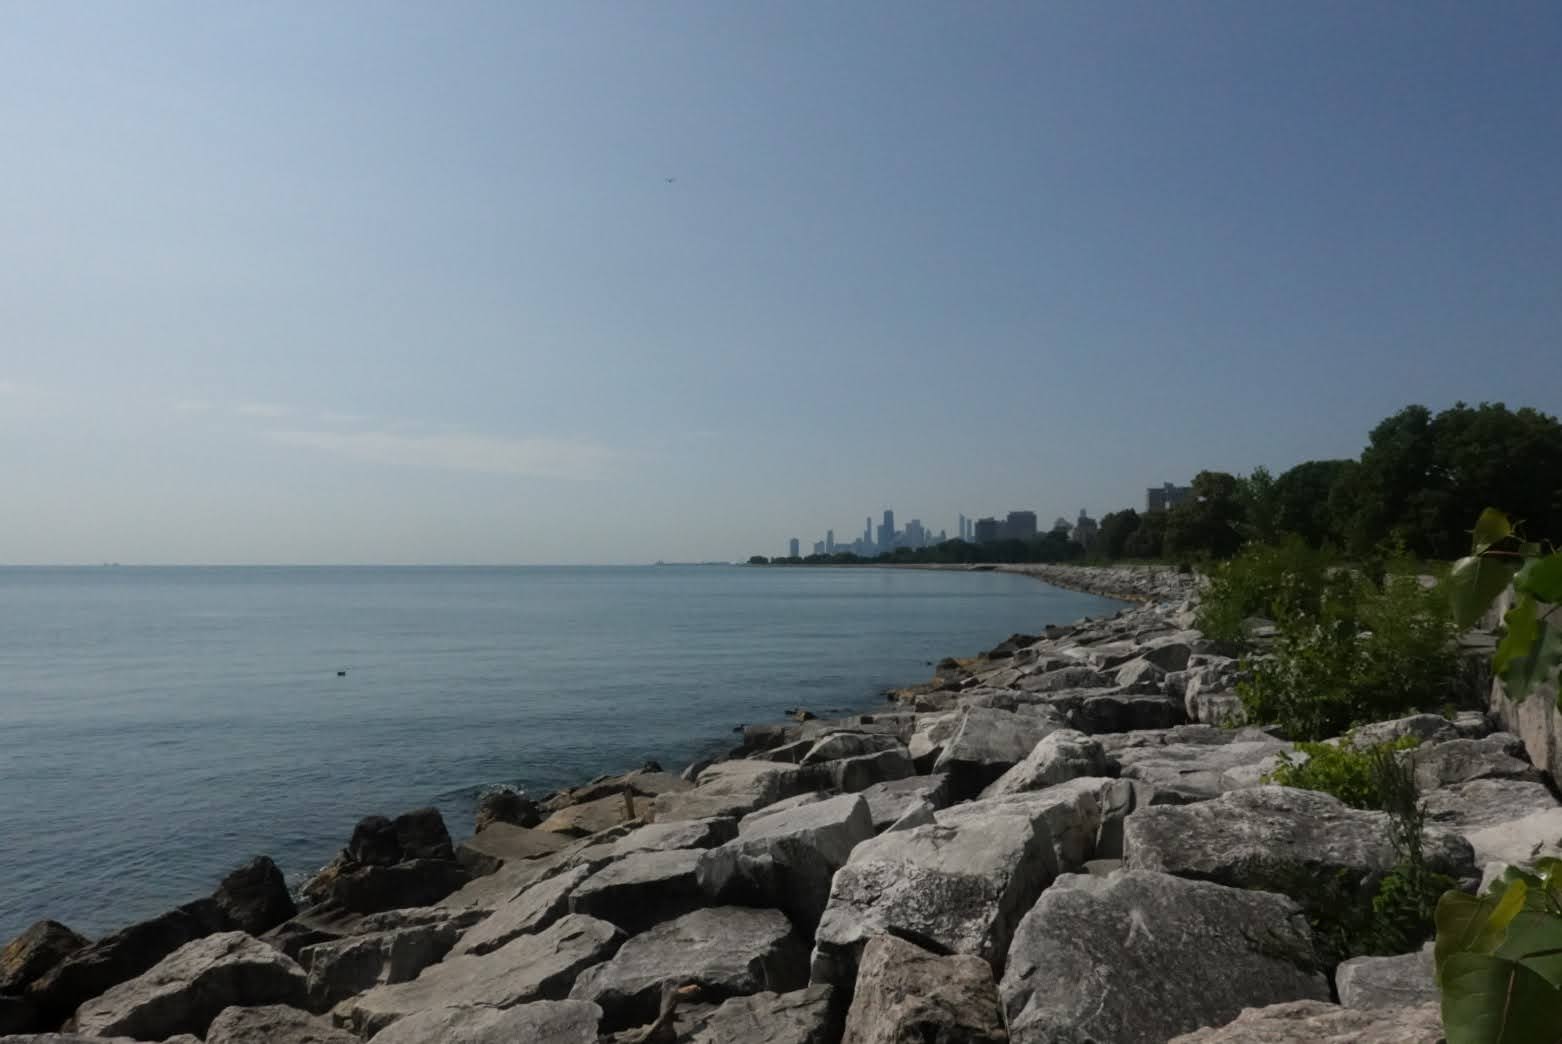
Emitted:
<point x="418" y="882"/>
<point x="33" y="953"/>
<point x="505" y="806"/>
<point x="254" y="898"/>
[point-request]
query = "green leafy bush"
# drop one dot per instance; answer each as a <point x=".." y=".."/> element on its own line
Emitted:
<point x="1369" y="653"/>
<point x="1342" y="770"/>
<point x="1269" y="580"/>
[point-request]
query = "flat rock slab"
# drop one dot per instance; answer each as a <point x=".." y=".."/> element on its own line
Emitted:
<point x="186" y="990"/>
<point x="1314" y="1022"/>
<point x="727" y="951"/>
<point x="1406" y="981"/>
<point x="904" y="993"/>
<point x="532" y="967"/>
<point x="1483" y="803"/>
<point x="786" y="859"/>
<point x="531" y="910"/>
<point x="850" y="775"/>
<point x="1200" y="771"/>
<point x="500" y="843"/>
<point x="658" y="837"/>
<point x="733" y="788"/>
<point x="986" y="744"/>
<point x="887" y="802"/>
<point x="957" y="885"/>
<point x="1078" y="813"/>
<point x="1138" y="957"/>
<point x="1277" y="838"/>
<point x="543" y="1022"/>
<point x="1519" y="842"/>
<point x="1064" y="755"/>
<point x="274" y="1024"/>
<point x="360" y="962"/>
<point x="641" y="889"/>
<point x="800" y="1017"/>
<point x="1498" y="756"/>
<point x="590" y="817"/>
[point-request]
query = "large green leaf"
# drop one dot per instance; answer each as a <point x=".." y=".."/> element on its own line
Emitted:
<point x="1531" y="652"/>
<point x="1488" y="1000"/>
<point x="1467" y="924"/>
<point x="1542" y="577"/>
<point x="1535" y="941"/>
<point x="1493" y="526"/>
<point x="1474" y="584"/>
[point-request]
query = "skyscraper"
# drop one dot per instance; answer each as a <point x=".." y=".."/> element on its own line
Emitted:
<point x="795" y="547"/>
<point x="887" y="532"/>
<point x="829" y="541"/>
<point x="867" y="532"/>
<point x="962" y="527"/>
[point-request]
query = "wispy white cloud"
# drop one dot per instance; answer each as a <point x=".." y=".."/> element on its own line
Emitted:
<point x="535" y="457"/>
<point x="267" y="410"/>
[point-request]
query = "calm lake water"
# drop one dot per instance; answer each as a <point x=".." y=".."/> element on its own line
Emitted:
<point x="160" y="726"/>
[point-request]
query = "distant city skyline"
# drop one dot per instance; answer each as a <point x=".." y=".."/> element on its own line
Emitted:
<point x="578" y="283"/>
<point x="1019" y="524"/>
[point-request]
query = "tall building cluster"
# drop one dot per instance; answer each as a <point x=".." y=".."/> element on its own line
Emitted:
<point x="884" y="537"/>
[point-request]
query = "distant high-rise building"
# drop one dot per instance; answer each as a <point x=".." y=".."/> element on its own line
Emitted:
<point x="818" y="547"/>
<point x="1167" y="497"/>
<point x="887" y="532"/>
<point x="1020" y="525"/>
<point x="916" y="536"/>
<point x="829" y="541"/>
<point x="962" y="527"/>
<point x="986" y="530"/>
<point x="867" y="531"/>
<point x="796" y="547"/>
<point x="1085" y="530"/>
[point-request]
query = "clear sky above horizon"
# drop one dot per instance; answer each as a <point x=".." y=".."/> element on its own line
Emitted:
<point x="404" y="282"/>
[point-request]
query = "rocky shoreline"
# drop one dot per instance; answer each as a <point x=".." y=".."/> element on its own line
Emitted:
<point x="1065" y="839"/>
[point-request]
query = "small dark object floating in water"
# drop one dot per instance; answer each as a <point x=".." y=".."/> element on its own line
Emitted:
<point x="341" y="674"/>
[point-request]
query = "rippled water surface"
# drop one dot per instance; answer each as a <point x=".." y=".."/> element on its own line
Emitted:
<point x="159" y="726"/>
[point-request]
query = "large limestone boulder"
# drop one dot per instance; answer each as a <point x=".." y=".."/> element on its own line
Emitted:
<point x="659" y="837"/>
<point x="501" y="843"/>
<point x="1199" y="771"/>
<point x="1139" y="957"/>
<point x="1406" y="981"/>
<point x="905" y="993"/>
<point x="785" y="860"/>
<point x="1498" y="756"/>
<point x="1427" y="728"/>
<point x="801" y="1017"/>
<point x="850" y="775"/>
<point x="1125" y="712"/>
<point x="339" y="969"/>
<point x="889" y="801"/>
<point x="641" y="889"/>
<point x="530" y="910"/>
<point x="590" y="817"/>
<point x="545" y="1022"/>
<point x="186" y="990"/>
<point x="254" y="898"/>
<point x="33" y="953"/>
<point x="1315" y="1022"/>
<point x="1483" y="803"/>
<point x="1277" y="838"/>
<point x="726" y="951"/>
<point x="273" y="1024"/>
<point x="733" y="788"/>
<point x="532" y="967"/>
<point x="1519" y="842"/>
<point x="1076" y="812"/>
<point x="960" y="883"/>
<point x="838" y="745"/>
<point x="987" y="744"/>
<point x="1059" y="757"/>
<point x="121" y="956"/>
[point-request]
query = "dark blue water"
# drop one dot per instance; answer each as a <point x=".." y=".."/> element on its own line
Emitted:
<point x="159" y="726"/>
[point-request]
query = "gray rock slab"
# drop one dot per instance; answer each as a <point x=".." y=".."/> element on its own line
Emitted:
<point x="887" y="802"/>
<point x="532" y="967"/>
<point x="540" y="1022"/>
<point x="726" y="951"/>
<point x="734" y="788"/>
<point x="1276" y="837"/>
<point x="986" y="744"/>
<point x="1406" y="981"/>
<point x="957" y="885"/>
<point x="1139" y="957"/>
<point x="1519" y="842"/>
<point x="1061" y="756"/>
<point x="1498" y="756"/>
<point x="850" y="775"/>
<point x="274" y="1024"/>
<point x="658" y="837"/>
<point x="1073" y="811"/>
<point x="359" y="962"/>
<point x="905" y="993"/>
<point x="1428" y="728"/>
<point x="186" y="990"/>
<point x="500" y="843"/>
<point x="1199" y="771"/>
<point x="787" y="859"/>
<point x="1125" y="712"/>
<point x="641" y="889"/>
<point x="531" y="910"/>
<point x="800" y="1017"/>
<point x="1483" y="803"/>
<point x="1315" y="1022"/>
<point x="839" y="745"/>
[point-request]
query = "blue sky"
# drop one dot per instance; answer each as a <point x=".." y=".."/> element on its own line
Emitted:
<point x="379" y="282"/>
